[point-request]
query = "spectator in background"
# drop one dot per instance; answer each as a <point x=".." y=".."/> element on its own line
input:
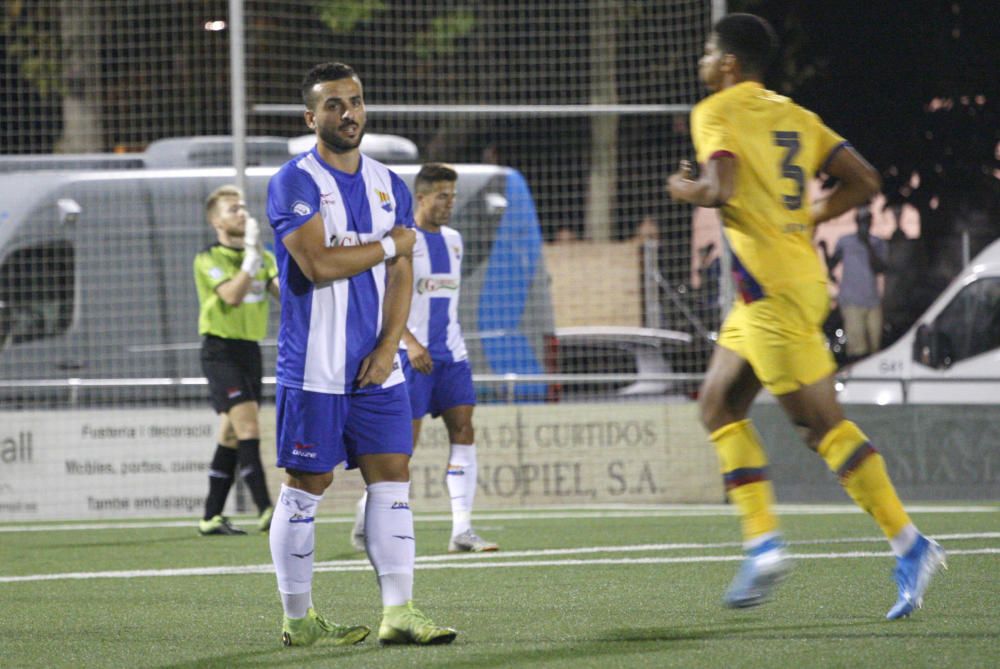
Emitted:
<point x="232" y="276"/>
<point x="863" y="258"/>
<point x="565" y="233"/>
<point x="904" y="298"/>
<point x="646" y="231"/>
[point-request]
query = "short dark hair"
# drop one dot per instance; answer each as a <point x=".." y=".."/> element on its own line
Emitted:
<point x="431" y="173"/>
<point x="750" y="38"/>
<point x="324" y="72"/>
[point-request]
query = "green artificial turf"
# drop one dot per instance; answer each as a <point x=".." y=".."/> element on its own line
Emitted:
<point x="597" y="601"/>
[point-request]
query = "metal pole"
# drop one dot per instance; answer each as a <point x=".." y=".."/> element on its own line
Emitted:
<point x="718" y="10"/>
<point x="727" y="292"/>
<point x="650" y="285"/>
<point x="237" y="90"/>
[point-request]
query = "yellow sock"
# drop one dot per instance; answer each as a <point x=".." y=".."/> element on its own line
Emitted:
<point x="862" y="473"/>
<point x="744" y="471"/>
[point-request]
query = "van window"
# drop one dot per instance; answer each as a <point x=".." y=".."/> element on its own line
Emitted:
<point x="36" y="292"/>
<point x="970" y="324"/>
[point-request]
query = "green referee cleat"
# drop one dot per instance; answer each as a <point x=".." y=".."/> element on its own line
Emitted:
<point x="218" y="525"/>
<point x="407" y="624"/>
<point x="314" y="627"/>
<point x="264" y="519"/>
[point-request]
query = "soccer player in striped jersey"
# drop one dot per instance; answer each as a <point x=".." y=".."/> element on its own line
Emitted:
<point x="757" y="149"/>
<point x="233" y="276"/>
<point x="343" y="240"/>
<point x="435" y="361"/>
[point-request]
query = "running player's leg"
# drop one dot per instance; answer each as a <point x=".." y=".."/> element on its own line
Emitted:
<point x="726" y="395"/>
<point x="861" y="469"/>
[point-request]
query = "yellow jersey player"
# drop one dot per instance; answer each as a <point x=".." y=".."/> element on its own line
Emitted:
<point x="757" y="150"/>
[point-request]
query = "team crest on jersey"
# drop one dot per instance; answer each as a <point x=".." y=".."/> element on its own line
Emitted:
<point x="301" y="208"/>
<point x="457" y="250"/>
<point x="430" y="285"/>
<point x="384" y="199"/>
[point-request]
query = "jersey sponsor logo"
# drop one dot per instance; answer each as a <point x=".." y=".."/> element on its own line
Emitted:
<point x="327" y="198"/>
<point x="400" y="505"/>
<point x="301" y="208"/>
<point x="455" y="470"/>
<point x="233" y="393"/>
<point x="383" y="197"/>
<point x="431" y="285"/>
<point x="345" y="239"/>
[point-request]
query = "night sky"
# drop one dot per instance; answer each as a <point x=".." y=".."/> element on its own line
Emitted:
<point x="878" y="63"/>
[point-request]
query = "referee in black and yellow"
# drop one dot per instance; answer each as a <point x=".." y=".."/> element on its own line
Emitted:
<point x="233" y="276"/>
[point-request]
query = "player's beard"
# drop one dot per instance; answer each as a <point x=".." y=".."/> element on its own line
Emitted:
<point x="339" y="144"/>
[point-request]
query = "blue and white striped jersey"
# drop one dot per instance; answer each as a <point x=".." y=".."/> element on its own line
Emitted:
<point x="327" y="329"/>
<point x="437" y="277"/>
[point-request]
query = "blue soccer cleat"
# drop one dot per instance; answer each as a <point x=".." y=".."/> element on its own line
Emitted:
<point x="913" y="574"/>
<point x="764" y="567"/>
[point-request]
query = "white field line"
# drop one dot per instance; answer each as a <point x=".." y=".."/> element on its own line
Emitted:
<point x="442" y="562"/>
<point x="646" y="511"/>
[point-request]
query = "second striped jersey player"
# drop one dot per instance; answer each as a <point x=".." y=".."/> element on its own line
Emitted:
<point x="433" y="354"/>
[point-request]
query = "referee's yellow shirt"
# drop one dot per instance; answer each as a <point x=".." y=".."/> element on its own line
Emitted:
<point x="217" y="264"/>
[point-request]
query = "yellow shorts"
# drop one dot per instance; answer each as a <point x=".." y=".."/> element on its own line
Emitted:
<point x="781" y="336"/>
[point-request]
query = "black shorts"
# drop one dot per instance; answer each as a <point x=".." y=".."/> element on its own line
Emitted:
<point x="233" y="369"/>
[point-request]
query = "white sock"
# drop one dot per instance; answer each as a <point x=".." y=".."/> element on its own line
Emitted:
<point x="461" y="480"/>
<point x="296" y="606"/>
<point x="903" y="542"/>
<point x="292" y="537"/>
<point x="391" y="544"/>
<point x="359" y="514"/>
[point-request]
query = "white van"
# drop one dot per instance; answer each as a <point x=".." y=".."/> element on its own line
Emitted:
<point x="97" y="300"/>
<point x="951" y="355"/>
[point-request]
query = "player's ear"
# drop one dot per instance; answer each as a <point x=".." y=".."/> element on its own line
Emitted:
<point x="729" y="63"/>
<point x="310" y="119"/>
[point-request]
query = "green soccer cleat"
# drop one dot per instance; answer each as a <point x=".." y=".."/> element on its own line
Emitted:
<point x="314" y="627"/>
<point x="217" y="525"/>
<point x="264" y="519"/>
<point x="407" y="624"/>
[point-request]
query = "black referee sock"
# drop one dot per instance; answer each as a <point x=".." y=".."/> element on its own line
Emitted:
<point x="252" y="472"/>
<point x="220" y="480"/>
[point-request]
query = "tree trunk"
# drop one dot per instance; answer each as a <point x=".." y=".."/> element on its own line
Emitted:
<point x="80" y="32"/>
<point x="602" y="185"/>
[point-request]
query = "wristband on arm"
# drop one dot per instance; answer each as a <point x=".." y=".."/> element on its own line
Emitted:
<point x="388" y="247"/>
